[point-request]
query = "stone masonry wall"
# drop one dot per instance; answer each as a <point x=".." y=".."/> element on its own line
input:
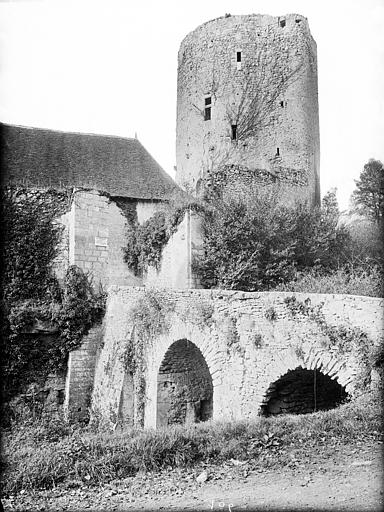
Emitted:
<point x="96" y="230"/>
<point x="97" y="238"/>
<point x="248" y="341"/>
<point x="80" y="376"/>
<point x="284" y="139"/>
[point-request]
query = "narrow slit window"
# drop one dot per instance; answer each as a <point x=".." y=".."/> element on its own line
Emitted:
<point x="234" y="131"/>
<point x="238" y="56"/>
<point x="282" y="104"/>
<point x="207" y="109"/>
<point x="277" y="152"/>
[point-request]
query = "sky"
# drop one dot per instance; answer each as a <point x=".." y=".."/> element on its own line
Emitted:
<point x="110" y="67"/>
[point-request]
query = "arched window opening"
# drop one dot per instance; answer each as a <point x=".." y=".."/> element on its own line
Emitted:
<point x="302" y="391"/>
<point x="184" y="386"/>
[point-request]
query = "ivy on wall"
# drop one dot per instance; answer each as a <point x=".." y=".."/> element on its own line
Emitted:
<point x="149" y="315"/>
<point x="145" y="242"/>
<point x="30" y="242"/>
<point x="41" y="319"/>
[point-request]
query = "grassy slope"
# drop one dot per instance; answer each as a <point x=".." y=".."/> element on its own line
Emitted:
<point x="44" y="456"/>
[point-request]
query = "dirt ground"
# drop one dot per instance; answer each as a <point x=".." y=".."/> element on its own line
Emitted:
<point x="342" y="478"/>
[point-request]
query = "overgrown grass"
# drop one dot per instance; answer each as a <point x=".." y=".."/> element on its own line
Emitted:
<point x="32" y="460"/>
<point x="353" y="282"/>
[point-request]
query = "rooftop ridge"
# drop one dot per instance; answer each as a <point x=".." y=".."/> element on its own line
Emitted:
<point x="71" y="132"/>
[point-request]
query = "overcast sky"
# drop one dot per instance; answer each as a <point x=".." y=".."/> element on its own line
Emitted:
<point x="110" y="67"/>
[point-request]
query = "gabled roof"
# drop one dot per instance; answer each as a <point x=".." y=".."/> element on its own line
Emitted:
<point x="116" y="165"/>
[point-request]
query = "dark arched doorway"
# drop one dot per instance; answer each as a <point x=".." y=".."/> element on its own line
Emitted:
<point x="302" y="391"/>
<point x="184" y="386"/>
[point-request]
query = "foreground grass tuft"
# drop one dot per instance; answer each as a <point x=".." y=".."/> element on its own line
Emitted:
<point x="96" y="458"/>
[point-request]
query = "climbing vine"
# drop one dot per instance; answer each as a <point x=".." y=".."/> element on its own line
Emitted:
<point x="41" y="319"/>
<point x="149" y="315"/>
<point x="145" y="242"/>
<point x="30" y="242"/>
<point x="79" y="310"/>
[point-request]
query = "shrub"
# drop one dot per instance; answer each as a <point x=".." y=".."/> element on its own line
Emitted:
<point x="251" y="242"/>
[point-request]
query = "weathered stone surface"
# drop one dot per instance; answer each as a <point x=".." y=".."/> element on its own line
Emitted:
<point x="259" y="74"/>
<point x="242" y="362"/>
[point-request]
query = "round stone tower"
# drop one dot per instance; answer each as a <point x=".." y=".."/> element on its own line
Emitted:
<point x="247" y="104"/>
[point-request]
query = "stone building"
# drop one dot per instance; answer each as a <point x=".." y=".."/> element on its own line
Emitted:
<point x="247" y="104"/>
<point x="109" y="181"/>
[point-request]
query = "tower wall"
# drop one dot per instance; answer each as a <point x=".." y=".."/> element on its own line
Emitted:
<point x="257" y="73"/>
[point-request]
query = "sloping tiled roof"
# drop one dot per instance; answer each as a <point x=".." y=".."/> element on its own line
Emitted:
<point x="118" y="166"/>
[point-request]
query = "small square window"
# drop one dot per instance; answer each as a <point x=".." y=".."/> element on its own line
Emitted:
<point x="208" y="101"/>
<point x="282" y="23"/>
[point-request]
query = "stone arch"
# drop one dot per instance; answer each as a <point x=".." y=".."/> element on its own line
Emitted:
<point x="328" y="361"/>
<point x="328" y="364"/>
<point x="184" y="385"/>
<point x="301" y="391"/>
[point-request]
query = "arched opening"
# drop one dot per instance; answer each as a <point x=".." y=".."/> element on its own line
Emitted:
<point x="184" y="386"/>
<point x="302" y="391"/>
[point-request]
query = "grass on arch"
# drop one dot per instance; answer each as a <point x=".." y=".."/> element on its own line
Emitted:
<point x="32" y="460"/>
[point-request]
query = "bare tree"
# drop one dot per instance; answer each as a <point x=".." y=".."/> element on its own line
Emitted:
<point x="266" y="79"/>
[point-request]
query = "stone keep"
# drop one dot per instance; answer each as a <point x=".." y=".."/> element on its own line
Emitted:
<point x="248" y="102"/>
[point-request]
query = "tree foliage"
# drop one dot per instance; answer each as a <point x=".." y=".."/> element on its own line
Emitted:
<point x="369" y="193"/>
